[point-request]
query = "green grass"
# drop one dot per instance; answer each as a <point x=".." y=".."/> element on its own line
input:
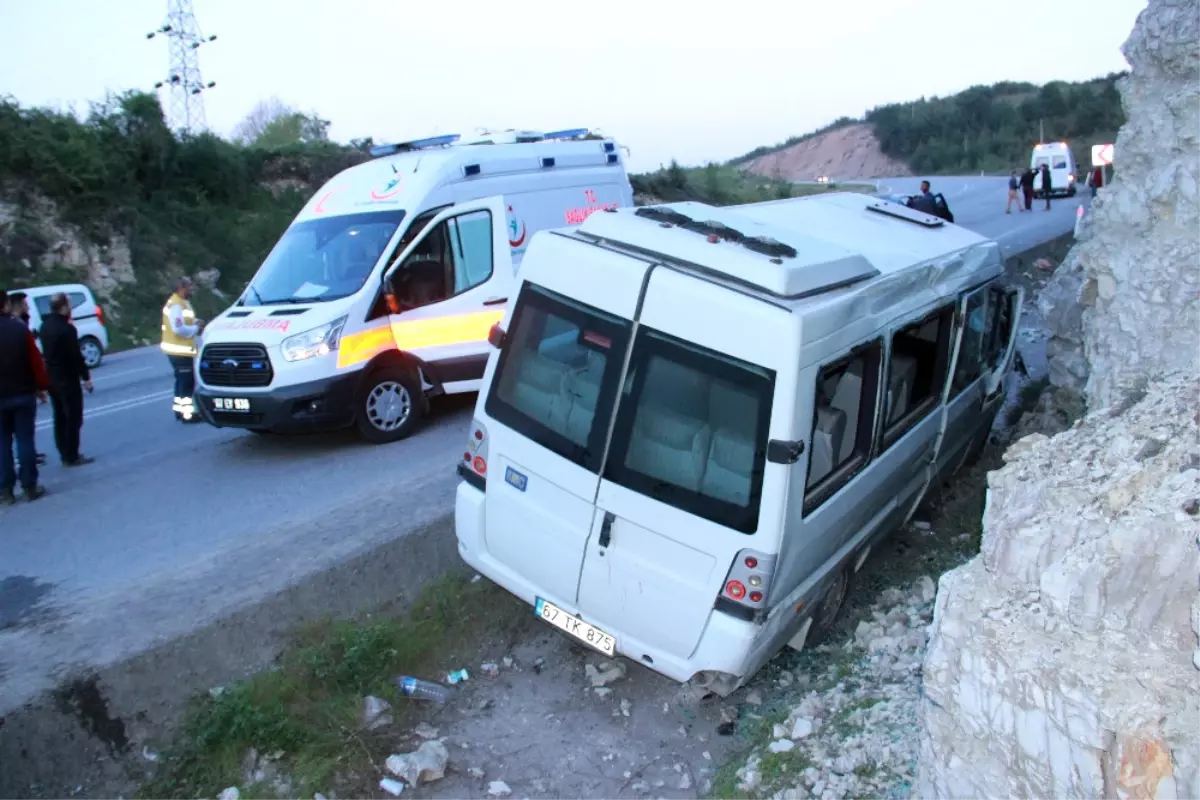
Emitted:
<point x="307" y="707"/>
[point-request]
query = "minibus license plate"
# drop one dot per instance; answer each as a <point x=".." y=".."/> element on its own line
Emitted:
<point x="574" y="626"/>
<point x="239" y="405"/>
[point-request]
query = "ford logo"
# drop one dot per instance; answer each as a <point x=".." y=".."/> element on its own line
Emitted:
<point x="229" y="362"/>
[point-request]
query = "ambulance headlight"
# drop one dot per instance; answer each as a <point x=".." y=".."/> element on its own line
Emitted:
<point x="316" y="342"/>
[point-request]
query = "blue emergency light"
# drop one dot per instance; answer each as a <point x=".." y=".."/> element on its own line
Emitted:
<point x="568" y="133"/>
<point x="416" y="144"/>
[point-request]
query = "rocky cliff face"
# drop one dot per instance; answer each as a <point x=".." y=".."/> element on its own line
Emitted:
<point x="1126" y="304"/>
<point x="1063" y="660"/>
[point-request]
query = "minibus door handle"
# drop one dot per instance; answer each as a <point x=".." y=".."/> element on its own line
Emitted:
<point x="606" y="529"/>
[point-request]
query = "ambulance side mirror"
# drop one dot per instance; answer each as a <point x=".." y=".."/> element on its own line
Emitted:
<point x="497" y="336"/>
<point x="391" y="295"/>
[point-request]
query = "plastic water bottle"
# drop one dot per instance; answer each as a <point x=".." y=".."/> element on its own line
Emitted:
<point x="421" y="690"/>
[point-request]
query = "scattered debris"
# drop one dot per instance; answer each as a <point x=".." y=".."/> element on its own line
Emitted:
<point x="376" y="713"/>
<point x="231" y="793"/>
<point x="477" y="579"/>
<point x="391" y="786"/>
<point x="216" y="692"/>
<point x="602" y="691"/>
<point x="754" y="698"/>
<point x="781" y="745"/>
<point x="786" y="678"/>
<point x="640" y="786"/>
<point x="625" y="707"/>
<point x="803" y="728"/>
<point x="538" y="664"/>
<point x="498" y="789"/>
<point x="148" y="754"/>
<point x="426" y="731"/>
<point x="475" y="772"/>
<point x="457" y="676"/>
<point x="728" y="724"/>
<point x="1044" y="264"/>
<point x="490" y="669"/>
<point x="319" y="796"/>
<point x="685" y="782"/>
<point x="427" y="764"/>
<point x="922" y="525"/>
<point x="610" y="672"/>
<point x="508" y="662"/>
<point x="707" y="755"/>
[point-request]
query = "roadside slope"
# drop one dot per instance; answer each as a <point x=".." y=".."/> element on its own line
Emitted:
<point x="845" y="153"/>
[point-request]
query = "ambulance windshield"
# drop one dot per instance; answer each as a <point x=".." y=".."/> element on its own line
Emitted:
<point x="322" y="259"/>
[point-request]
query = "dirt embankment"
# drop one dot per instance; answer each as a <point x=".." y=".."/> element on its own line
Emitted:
<point x="843" y="154"/>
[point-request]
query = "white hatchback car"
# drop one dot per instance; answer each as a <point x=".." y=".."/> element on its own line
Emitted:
<point x="87" y="315"/>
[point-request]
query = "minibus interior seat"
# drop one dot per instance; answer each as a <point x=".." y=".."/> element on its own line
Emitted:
<point x="846" y="398"/>
<point x="728" y="471"/>
<point x="672" y="435"/>
<point x="537" y="389"/>
<point x="900" y="385"/>
<point x="669" y="446"/>
<point x="582" y="387"/>
<point x="827" y="438"/>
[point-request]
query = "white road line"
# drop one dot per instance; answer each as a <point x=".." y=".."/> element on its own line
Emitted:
<point x="105" y="376"/>
<point x="113" y="408"/>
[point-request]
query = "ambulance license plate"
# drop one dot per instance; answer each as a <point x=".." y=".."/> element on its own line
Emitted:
<point x="238" y="405"/>
<point x="575" y="627"/>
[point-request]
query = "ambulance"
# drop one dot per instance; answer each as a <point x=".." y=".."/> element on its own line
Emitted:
<point x="381" y="292"/>
<point x="689" y="442"/>
<point x="1058" y="157"/>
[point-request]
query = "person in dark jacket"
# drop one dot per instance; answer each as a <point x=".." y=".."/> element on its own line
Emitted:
<point x="1027" y="188"/>
<point x="23" y="383"/>
<point x="1046" y="187"/>
<point x="64" y="362"/>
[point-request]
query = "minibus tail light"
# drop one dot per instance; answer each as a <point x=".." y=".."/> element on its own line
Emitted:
<point x="473" y="468"/>
<point x="749" y="569"/>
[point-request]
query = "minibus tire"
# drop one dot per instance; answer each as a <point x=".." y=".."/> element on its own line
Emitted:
<point x="389" y="377"/>
<point x="826" y="615"/>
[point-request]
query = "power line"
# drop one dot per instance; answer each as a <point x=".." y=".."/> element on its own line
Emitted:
<point x="186" y="113"/>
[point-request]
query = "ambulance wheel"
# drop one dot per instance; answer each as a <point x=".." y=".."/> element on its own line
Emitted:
<point x="390" y="405"/>
<point x="826" y="614"/>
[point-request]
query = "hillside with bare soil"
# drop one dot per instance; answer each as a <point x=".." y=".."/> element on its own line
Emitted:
<point x="844" y="153"/>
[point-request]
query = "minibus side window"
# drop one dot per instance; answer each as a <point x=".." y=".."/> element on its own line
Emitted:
<point x="558" y="373"/>
<point x="1001" y="331"/>
<point x="916" y="372"/>
<point x="843" y="422"/>
<point x="692" y="429"/>
<point x="972" y="352"/>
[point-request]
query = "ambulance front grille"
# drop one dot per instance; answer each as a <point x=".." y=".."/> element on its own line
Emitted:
<point x="236" y="365"/>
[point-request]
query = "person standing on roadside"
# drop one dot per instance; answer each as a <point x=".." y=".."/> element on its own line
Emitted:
<point x="1014" y="186"/>
<point x="18" y="308"/>
<point x="67" y="370"/>
<point x="1046" y="187"/>
<point x="179" y="331"/>
<point x="1027" y="188"/>
<point x="23" y="384"/>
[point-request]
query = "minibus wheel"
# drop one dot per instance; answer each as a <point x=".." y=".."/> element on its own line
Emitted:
<point x="390" y="405"/>
<point x="827" y="611"/>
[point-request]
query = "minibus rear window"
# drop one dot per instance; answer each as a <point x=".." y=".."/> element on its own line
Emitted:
<point x="691" y="430"/>
<point x="558" y="374"/>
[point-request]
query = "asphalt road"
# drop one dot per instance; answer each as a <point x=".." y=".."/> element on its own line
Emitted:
<point x="174" y="526"/>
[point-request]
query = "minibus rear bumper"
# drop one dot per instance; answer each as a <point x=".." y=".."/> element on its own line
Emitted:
<point x="724" y="646"/>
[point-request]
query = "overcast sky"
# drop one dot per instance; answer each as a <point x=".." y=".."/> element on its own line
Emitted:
<point x="696" y="81"/>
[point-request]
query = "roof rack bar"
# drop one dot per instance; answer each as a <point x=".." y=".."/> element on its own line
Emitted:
<point x="905" y="213"/>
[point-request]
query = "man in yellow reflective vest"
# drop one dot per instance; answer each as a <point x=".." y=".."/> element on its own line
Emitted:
<point x="180" y="328"/>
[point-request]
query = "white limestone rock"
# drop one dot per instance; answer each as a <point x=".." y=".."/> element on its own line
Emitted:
<point x="1060" y="663"/>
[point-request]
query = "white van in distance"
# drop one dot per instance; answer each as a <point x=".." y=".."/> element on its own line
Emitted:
<point x="382" y="291"/>
<point x="86" y="314"/>
<point x="687" y="442"/>
<point x="1059" y="158"/>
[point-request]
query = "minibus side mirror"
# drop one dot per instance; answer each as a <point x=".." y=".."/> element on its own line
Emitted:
<point x="782" y="451"/>
<point x="496" y="336"/>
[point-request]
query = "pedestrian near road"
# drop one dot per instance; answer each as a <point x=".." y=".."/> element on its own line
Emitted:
<point x="1046" y="187"/>
<point x="67" y="370"/>
<point x="179" y="331"/>
<point x="23" y="384"/>
<point x="18" y="308"/>
<point x="1027" y="188"/>
<point x="1014" y="186"/>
